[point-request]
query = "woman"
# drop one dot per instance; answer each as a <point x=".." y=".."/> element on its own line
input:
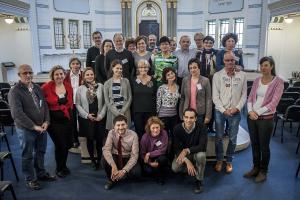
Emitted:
<point x="117" y="94"/>
<point x="92" y="110"/>
<point x="196" y="93"/>
<point x="153" y="147"/>
<point x="229" y="41"/>
<point x="144" y="89"/>
<point x="130" y="45"/>
<point x="167" y="99"/>
<point x="142" y="53"/>
<point x="262" y="102"/>
<point x="59" y="96"/>
<point x="100" y="62"/>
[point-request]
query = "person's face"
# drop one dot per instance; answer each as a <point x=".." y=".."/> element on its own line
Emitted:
<point x="26" y="75"/>
<point x="199" y="41"/>
<point x="89" y="76"/>
<point x="194" y="69"/>
<point x="229" y="62"/>
<point x="165" y="47"/>
<point x="117" y="70"/>
<point x="185" y="43"/>
<point x="131" y="47"/>
<point x="173" y="46"/>
<point x="266" y="68"/>
<point x="120" y="127"/>
<point x="75" y="66"/>
<point x="141" y="45"/>
<point x="107" y="46"/>
<point x="119" y="41"/>
<point x="208" y="44"/>
<point x="170" y="76"/>
<point x="58" y="76"/>
<point x="155" y="130"/>
<point x="143" y="69"/>
<point x="152" y="40"/>
<point x="230" y="43"/>
<point x="189" y="119"/>
<point x="97" y="39"/>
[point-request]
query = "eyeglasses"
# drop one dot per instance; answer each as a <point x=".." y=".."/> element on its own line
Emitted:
<point x="27" y="73"/>
<point x="229" y="60"/>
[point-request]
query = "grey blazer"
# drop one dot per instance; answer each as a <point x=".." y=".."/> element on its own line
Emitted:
<point x="203" y="98"/>
<point x="112" y="110"/>
<point x="82" y="103"/>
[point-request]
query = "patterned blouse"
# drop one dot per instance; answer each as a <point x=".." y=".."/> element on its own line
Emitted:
<point x="166" y="103"/>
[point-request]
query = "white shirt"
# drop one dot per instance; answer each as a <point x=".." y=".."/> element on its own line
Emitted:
<point x="75" y="84"/>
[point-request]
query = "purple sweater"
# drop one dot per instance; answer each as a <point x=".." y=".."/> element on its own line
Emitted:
<point x="272" y="96"/>
<point x="152" y="144"/>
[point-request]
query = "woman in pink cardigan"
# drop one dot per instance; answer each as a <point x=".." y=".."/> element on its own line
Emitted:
<point x="262" y="102"/>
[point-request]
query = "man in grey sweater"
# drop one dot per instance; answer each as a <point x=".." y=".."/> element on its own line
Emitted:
<point x="31" y="115"/>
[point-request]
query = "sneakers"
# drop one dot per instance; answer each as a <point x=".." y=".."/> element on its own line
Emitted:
<point x="198" y="188"/>
<point x="262" y="176"/>
<point x="218" y="166"/>
<point x="229" y="168"/>
<point x="108" y="185"/>
<point x="75" y="150"/>
<point x="252" y="173"/>
<point x="47" y="177"/>
<point x="33" y="185"/>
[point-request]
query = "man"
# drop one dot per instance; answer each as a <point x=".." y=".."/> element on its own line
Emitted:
<point x="190" y="141"/>
<point x="123" y="55"/>
<point x="121" y="152"/>
<point x="31" y="115"/>
<point x="198" y="38"/>
<point x="173" y="44"/>
<point x="184" y="54"/>
<point x="164" y="59"/>
<point x="229" y="97"/>
<point x="94" y="51"/>
<point x="152" y="44"/>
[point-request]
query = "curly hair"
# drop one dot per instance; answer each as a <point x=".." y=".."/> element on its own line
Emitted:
<point x="153" y="120"/>
<point x="54" y="69"/>
<point x="228" y="36"/>
<point x="194" y="60"/>
<point x="164" y="74"/>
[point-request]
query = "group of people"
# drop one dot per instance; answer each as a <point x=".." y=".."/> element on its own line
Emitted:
<point x="173" y="99"/>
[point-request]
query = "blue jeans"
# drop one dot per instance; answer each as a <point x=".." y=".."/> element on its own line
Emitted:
<point x="233" y="129"/>
<point x="33" y="146"/>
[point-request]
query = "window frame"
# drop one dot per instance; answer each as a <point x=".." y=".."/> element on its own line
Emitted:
<point x="221" y="33"/>
<point x="240" y="34"/>
<point x="59" y="36"/>
<point x="74" y="44"/>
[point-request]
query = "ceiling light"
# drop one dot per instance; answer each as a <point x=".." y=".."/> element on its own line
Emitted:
<point x="9" y="19"/>
<point x="288" y="20"/>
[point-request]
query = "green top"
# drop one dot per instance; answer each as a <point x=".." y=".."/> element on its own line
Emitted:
<point x="160" y="63"/>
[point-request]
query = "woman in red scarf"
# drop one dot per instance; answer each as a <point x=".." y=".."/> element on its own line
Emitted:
<point x="59" y="96"/>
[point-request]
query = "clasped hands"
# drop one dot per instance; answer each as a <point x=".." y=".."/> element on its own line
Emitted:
<point x="92" y="117"/>
<point x="231" y="111"/>
<point x="253" y="115"/>
<point x="189" y="165"/>
<point x="41" y="129"/>
<point x="116" y="174"/>
<point x="147" y="160"/>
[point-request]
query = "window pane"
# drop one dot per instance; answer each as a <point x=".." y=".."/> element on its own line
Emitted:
<point x="224" y="25"/>
<point x="58" y="34"/>
<point x="87" y="43"/>
<point x="239" y="30"/>
<point x="211" y="28"/>
<point x="73" y="34"/>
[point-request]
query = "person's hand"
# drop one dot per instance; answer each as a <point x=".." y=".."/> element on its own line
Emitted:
<point x="234" y="111"/>
<point x="114" y="172"/>
<point x="227" y="112"/>
<point x="45" y="126"/>
<point x="91" y="117"/>
<point x="98" y="118"/>
<point x="154" y="164"/>
<point x="120" y="174"/>
<point x="253" y="115"/>
<point x="206" y="120"/>
<point x="190" y="167"/>
<point x="146" y="158"/>
<point x="38" y="129"/>
<point x="181" y="156"/>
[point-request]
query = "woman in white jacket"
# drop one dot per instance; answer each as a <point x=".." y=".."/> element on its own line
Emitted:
<point x="92" y="110"/>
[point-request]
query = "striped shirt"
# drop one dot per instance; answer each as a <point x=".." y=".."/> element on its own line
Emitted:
<point x="118" y="98"/>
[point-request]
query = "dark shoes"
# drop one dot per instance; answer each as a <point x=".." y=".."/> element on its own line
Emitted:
<point x="108" y="185"/>
<point x="95" y="166"/>
<point x="33" y="185"/>
<point x="252" y="173"/>
<point x="198" y="188"/>
<point x="61" y="174"/>
<point x="47" y="177"/>
<point x="66" y="171"/>
<point x="262" y="176"/>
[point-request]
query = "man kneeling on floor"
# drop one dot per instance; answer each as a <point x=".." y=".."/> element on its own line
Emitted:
<point x="120" y="152"/>
<point x="190" y="140"/>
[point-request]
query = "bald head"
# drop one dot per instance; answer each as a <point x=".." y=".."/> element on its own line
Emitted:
<point x="185" y="42"/>
<point x="25" y="73"/>
<point x="24" y="67"/>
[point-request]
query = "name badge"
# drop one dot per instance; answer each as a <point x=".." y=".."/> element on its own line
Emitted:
<point x="41" y="103"/>
<point x="199" y="86"/>
<point x="124" y="61"/>
<point x="227" y="85"/>
<point x="158" y="143"/>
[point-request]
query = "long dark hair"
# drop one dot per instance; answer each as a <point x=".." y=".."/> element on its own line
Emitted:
<point x="103" y="43"/>
<point x="271" y="61"/>
<point x="112" y="65"/>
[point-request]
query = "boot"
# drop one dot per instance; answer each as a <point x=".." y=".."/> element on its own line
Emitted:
<point x="262" y="176"/>
<point x="252" y="173"/>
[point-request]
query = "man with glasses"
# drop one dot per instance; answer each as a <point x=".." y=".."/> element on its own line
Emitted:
<point x="198" y="38"/>
<point x="31" y="115"/>
<point x="229" y="97"/>
<point x="94" y="50"/>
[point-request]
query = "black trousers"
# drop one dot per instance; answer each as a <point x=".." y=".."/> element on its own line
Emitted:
<point x="170" y="123"/>
<point x="160" y="171"/>
<point x="74" y="126"/>
<point x="135" y="172"/>
<point x="260" y="136"/>
<point x="140" y="120"/>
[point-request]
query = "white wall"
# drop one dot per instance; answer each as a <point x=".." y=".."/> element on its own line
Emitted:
<point x="283" y="46"/>
<point x="15" y="47"/>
